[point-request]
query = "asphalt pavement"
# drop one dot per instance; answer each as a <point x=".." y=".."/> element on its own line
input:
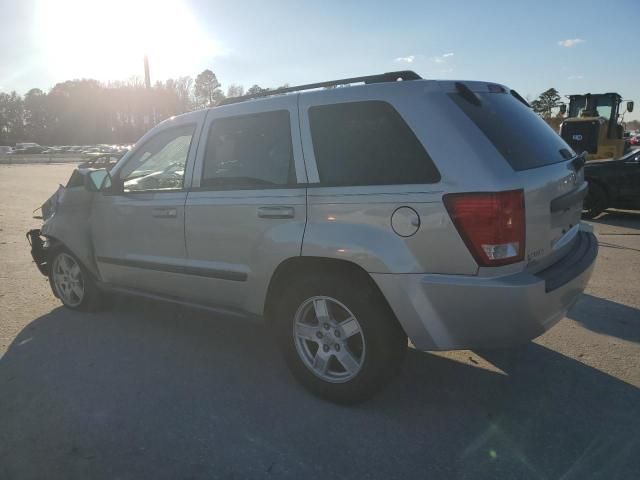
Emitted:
<point x="157" y="391"/>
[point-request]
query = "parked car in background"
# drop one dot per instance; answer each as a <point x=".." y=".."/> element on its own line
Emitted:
<point x="347" y="218"/>
<point x="613" y="184"/>
<point x="634" y="140"/>
<point x="35" y="149"/>
<point x="5" y="150"/>
<point x="101" y="160"/>
<point x="26" y="145"/>
<point x="52" y="150"/>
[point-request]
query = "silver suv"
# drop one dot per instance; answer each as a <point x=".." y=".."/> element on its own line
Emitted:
<point x="348" y="217"/>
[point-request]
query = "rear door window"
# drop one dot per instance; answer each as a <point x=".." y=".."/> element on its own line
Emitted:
<point x="249" y="151"/>
<point x="367" y="143"/>
<point x="521" y="136"/>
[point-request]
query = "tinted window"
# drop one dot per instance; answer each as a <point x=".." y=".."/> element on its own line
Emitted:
<point x="521" y="136"/>
<point x="159" y="163"/>
<point x="249" y="151"/>
<point x="367" y="143"/>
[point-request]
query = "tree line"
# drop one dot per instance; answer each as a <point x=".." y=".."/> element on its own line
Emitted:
<point x="85" y="111"/>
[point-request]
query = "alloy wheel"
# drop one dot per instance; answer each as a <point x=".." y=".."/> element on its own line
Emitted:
<point x="67" y="278"/>
<point x="329" y="339"/>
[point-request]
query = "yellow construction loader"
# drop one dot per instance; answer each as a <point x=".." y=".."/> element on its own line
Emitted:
<point x="594" y="124"/>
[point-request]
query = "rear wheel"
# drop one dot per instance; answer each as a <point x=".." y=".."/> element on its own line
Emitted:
<point x="72" y="283"/>
<point x="595" y="201"/>
<point x="339" y="338"/>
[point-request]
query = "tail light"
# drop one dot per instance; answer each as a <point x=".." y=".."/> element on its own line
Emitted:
<point x="491" y="225"/>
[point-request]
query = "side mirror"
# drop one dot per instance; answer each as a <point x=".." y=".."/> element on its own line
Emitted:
<point x="629" y="106"/>
<point x="563" y="108"/>
<point x="97" y="180"/>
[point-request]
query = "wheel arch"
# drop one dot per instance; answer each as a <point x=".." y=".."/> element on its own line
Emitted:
<point x="55" y="245"/>
<point x="295" y="266"/>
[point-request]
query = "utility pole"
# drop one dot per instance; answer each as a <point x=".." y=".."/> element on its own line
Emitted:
<point x="147" y="84"/>
<point x="147" y="77"/>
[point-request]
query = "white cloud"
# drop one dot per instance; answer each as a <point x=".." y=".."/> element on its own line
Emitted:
<point x="442" y="58"/>
<point x="575" y="77"/>
<point x="407" y="59"/>
<point x="570" y="42"/>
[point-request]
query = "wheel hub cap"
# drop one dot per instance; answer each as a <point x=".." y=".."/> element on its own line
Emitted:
<point x="67" y="280"/>
<point x="329" y="339"/>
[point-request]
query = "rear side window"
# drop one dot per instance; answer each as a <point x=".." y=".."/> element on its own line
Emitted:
<point x="367" y="143"/>
<point x="249" y="151"/>
<point x="521" y="136"/>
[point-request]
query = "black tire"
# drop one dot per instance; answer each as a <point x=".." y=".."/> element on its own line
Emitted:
<point x="595" y="202"/>
<point x="92" y="300"/>
<point x="386" y="342"/>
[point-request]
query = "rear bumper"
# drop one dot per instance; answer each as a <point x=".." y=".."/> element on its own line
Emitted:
<point x="449" y="312"/>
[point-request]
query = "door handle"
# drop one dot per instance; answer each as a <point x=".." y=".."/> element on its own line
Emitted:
<point x="164" y="213"/>
<point x="276" y="212"/>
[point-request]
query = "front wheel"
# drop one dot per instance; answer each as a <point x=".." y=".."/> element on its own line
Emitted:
<point x="339" y="338"/>
<point x="72" y="283"/>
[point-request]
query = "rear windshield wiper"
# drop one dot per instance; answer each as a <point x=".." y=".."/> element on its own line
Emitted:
<point x="579" y="161"/>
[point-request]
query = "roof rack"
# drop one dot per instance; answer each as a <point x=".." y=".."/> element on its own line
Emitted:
<point x="403" y="75"/>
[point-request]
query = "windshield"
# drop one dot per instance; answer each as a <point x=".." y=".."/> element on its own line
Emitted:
<point x="604" y="105"/>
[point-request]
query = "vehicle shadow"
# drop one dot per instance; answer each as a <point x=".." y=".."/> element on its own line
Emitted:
<point x="607" y="317"/>
<point x="619" y="218"/>
<point x="156" y="391"/>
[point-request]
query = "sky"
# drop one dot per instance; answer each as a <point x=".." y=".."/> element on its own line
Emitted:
<point x="573" y="46"/>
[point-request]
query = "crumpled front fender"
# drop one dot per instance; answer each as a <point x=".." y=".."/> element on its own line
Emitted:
<point x="70" y="225"/>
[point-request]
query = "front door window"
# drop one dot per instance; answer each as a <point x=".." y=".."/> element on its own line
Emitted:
<point x="159" y="164"/>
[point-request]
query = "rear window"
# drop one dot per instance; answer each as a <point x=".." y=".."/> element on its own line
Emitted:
<point x="367" y="143"/>
<point x="521" y="136"/>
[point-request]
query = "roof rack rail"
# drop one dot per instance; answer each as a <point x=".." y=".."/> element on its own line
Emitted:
<point x="380" y="78"/>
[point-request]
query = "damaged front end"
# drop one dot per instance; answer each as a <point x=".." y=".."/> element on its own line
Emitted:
<point x="39" y="250"/>
<point x="39" y="243"/>
<point x="66" y="224"/>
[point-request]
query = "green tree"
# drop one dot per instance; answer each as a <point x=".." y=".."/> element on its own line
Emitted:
<point x="546" y="102"/>
<point x="11" y="118"/>
<point x="207" y="89"/>
<point x="255" y="89"/>
<point x="235" y="91"/>
<point x="35" y="115"/>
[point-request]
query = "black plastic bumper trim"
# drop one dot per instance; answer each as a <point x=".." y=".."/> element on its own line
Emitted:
<point x="163" y="267"/>
<point x="573" y="264"/>
<point x="38" y="251"/>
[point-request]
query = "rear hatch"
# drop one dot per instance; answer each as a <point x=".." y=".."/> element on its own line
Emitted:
<point x="545" y="167"/>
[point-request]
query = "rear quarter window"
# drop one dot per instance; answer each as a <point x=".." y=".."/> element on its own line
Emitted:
<point x="521" y="136"/>
<point x="367" y="143"/>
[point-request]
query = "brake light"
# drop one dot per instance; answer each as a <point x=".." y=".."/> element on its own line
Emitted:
<point x="491" y="225"/>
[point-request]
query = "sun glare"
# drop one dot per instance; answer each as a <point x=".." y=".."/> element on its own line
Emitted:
<point x="107" y="39"/>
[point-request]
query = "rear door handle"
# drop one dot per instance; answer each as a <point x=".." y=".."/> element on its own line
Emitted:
<point x="276" y="212"/>
<point x="164" y="213"/>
